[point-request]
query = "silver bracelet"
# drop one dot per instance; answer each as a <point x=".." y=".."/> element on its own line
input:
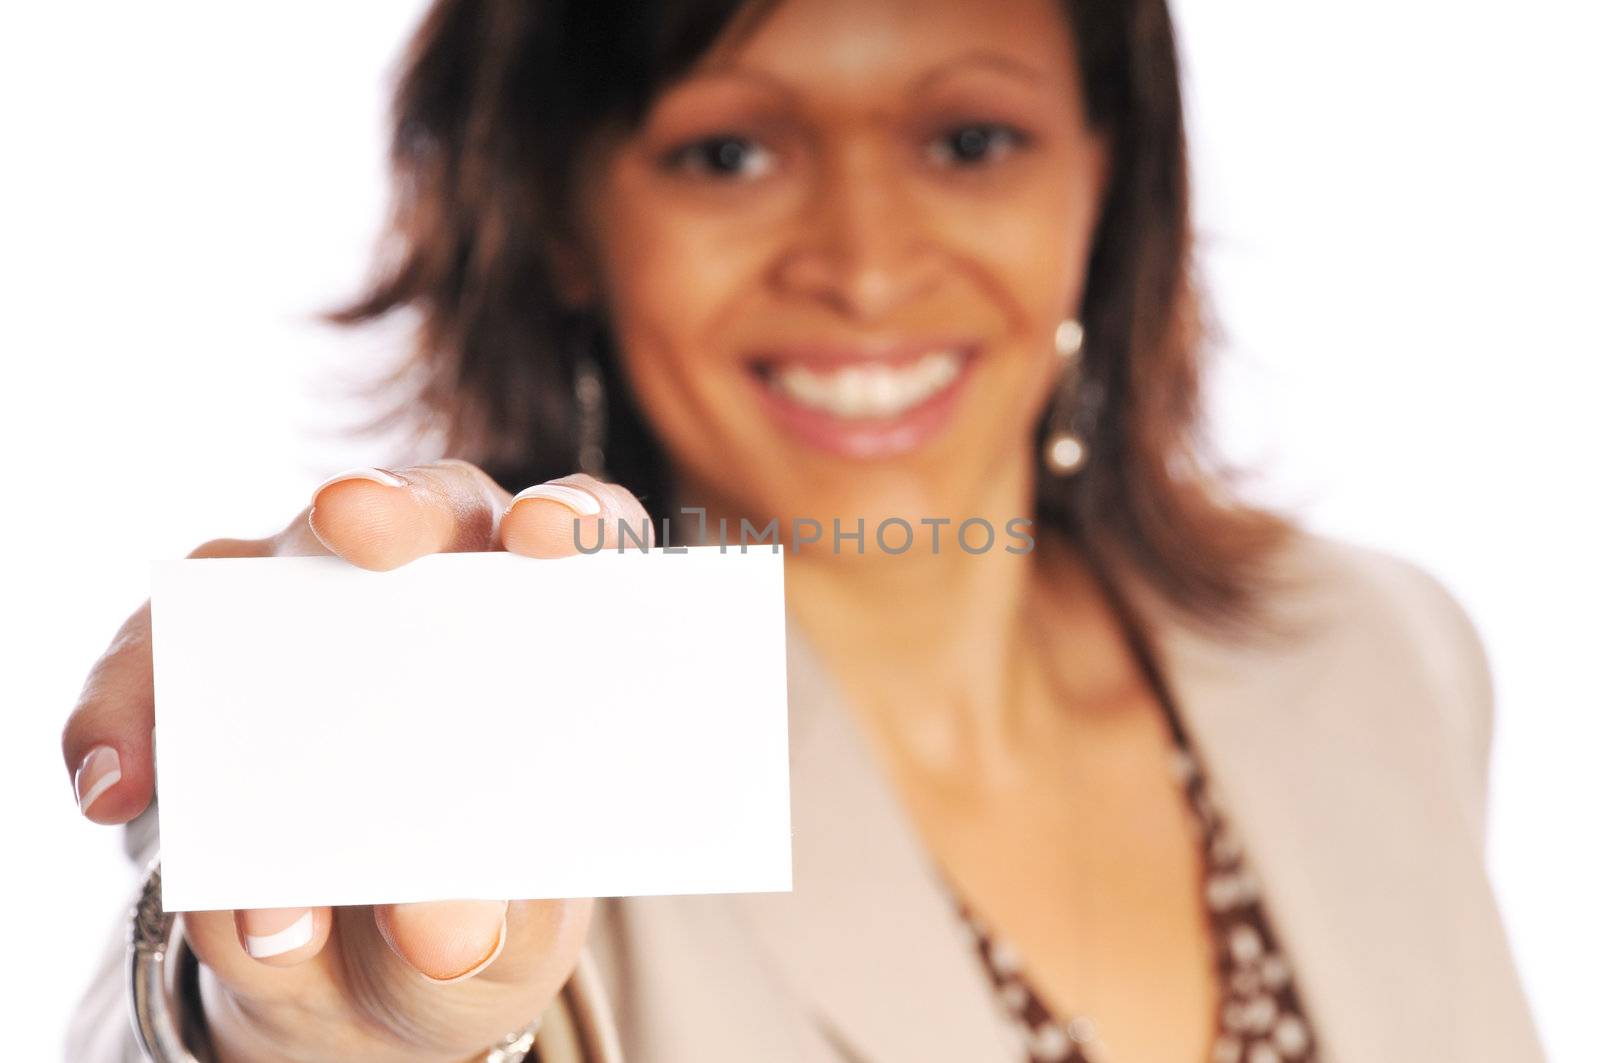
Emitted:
<point x="167" y="1023"/>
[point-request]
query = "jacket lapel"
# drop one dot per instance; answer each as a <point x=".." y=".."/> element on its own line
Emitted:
<point x="1315" y="752"/>
<point x="1330" y="792"/>
<point x="867" y="937"/>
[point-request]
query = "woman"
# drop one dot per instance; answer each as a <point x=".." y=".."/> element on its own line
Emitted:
<point x="896" y="264"/>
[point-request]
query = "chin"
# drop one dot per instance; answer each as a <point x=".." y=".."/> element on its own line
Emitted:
<point x="864" y="496"/>
<point x="917" y="454"/>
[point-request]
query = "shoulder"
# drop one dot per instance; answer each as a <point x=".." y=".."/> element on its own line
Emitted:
<point x="1403" y="617"/>
<point x="1379" y="578"/>
<point x="1395" y="597"/>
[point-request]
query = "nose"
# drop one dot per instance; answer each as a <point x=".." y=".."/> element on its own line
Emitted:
<point x="862" y="244"/>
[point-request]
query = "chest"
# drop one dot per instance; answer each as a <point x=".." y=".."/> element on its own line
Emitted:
<point x="1083" y="855"/>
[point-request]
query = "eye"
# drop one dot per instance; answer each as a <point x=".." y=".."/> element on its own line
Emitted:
<point x="976" y="143"/>
<point x="722" y="156"/>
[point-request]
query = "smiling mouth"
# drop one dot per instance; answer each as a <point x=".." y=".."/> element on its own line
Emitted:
<point x="865" y="391"/>
<point x="865" y="404"/>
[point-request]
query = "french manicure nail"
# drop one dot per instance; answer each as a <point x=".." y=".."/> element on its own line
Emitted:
<point x="274" y="931"/>
<point x="576" y="499"/>
<point x="494" y="954"/>
<point x="375" y="475"/>
<point x="99" y="772"/>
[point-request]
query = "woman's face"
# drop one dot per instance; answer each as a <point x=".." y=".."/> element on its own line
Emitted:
<point x="835" y="256"/>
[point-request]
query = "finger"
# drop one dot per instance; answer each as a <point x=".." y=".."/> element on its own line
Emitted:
<point x="543" y="942"/>
<point x="575" y="514"/>
<point x="282" y="937"/>
<point x="106" y="742"/>
<point x="240" y="945"/>
<point x="445" y="941"/>
<point x="381" y="519"/>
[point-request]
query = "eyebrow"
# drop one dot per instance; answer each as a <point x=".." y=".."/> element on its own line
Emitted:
<point x="997" y="61"/>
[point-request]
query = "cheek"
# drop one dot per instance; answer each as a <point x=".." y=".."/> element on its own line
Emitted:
<point x="1028" y="255"/>
<point x="665" y="284"/>
<point x="1031" y="245"/>
<point x="675" y="285"/>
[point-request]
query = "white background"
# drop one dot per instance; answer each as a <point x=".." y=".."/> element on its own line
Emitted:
<point x="1397" y="213"/>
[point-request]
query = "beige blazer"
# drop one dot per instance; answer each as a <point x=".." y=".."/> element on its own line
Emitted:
<point x="1351" y="760"/>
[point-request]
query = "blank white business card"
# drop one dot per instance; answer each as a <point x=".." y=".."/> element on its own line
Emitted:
<point x="470" y="726"/>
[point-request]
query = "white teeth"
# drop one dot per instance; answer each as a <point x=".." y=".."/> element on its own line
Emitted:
<point x="868" y="390"/>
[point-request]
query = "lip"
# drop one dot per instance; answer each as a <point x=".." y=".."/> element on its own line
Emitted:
<point x="888" y="351"/>
<point x="862" y="438"/>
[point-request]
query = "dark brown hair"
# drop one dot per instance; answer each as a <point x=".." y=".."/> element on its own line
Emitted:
<point x="497" y="99"/>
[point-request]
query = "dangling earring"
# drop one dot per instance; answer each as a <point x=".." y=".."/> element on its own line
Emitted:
<point x="589" y="397"/>
<point x="1066" y="446"/>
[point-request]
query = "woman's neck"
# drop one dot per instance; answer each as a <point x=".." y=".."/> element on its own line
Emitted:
<point x="956" y="661"/>
<point x="917" y="637"/>
<point x="954" y="658"/>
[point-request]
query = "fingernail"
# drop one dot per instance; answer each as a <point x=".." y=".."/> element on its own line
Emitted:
<point x="99" y="772"/>
<point x="274" y="931"/>
<point x="375" y="475"/>
<point x="494" y="954"/>
<point x="576" y="499"/>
